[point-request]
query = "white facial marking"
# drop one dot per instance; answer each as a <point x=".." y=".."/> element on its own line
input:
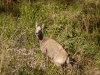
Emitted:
<point x="38" y="29"/>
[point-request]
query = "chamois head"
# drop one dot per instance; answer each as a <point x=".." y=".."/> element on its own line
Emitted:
<point x="38" y="31"/>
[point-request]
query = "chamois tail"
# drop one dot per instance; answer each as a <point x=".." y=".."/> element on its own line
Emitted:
<point x="68" y="59"/>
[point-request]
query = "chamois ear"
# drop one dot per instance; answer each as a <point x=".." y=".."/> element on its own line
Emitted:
<point x="36" y="24"/>
<point x="42" y="26"/>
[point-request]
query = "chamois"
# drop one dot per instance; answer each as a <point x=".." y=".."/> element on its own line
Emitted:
<point x="51" y="49"/>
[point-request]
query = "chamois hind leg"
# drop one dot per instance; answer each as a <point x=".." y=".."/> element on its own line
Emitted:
<point x="63" y="69"/>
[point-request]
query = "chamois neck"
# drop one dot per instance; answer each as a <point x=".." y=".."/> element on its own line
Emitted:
<point x="40" y="36"/>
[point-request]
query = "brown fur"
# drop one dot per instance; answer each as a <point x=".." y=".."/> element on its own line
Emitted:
<point x="51" y="49"/>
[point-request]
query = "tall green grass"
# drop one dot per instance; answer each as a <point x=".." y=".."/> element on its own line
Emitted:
<point x="74" y="24"/>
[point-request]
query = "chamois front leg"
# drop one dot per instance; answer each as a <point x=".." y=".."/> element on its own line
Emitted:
<point x="46" y="60"/>
<point x="46" y="64"/>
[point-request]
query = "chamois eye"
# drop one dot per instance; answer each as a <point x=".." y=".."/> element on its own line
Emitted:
<point x="36" y="33"/>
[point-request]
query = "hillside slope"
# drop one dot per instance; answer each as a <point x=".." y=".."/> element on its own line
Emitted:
<point x="75" y="24"/>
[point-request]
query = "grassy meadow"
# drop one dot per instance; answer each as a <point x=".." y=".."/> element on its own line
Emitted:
<point x="75" y="24"/>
